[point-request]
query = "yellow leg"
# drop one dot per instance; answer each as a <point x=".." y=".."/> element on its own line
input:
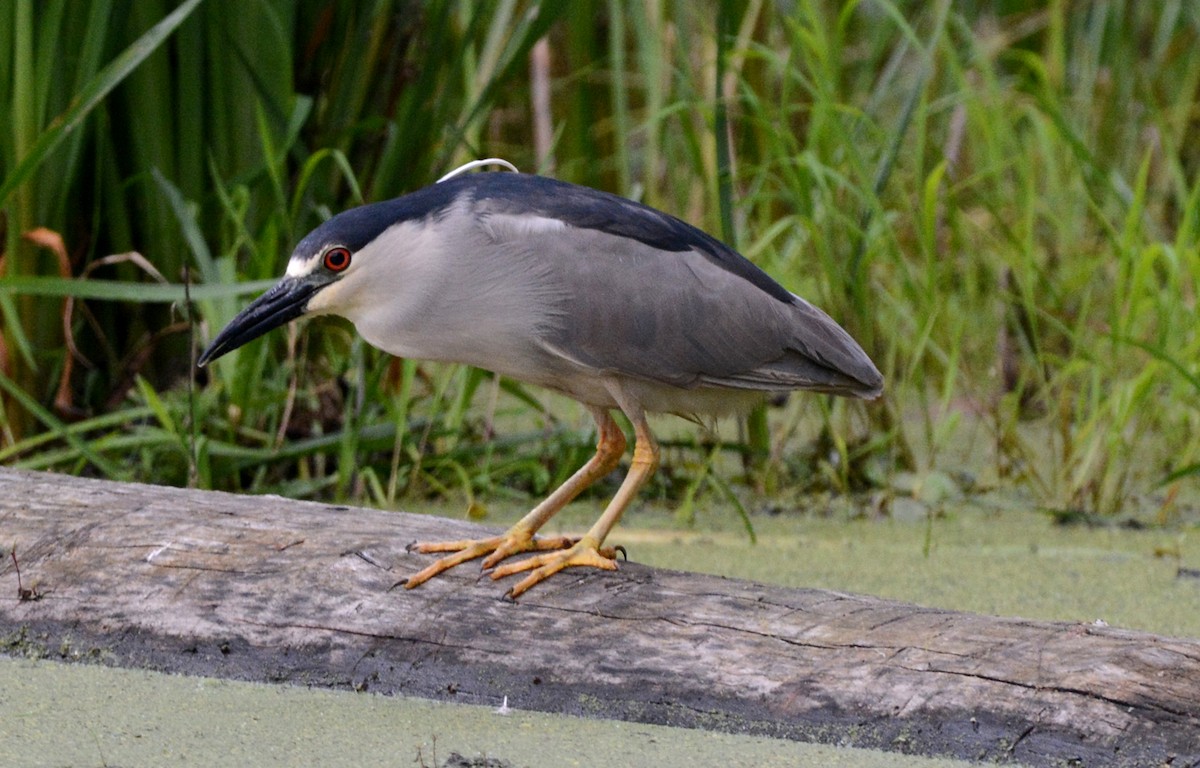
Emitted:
<point x="520" y="538"/>
<point x="587" y="550"/>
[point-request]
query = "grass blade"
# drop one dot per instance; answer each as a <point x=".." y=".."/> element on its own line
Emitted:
<point x="91" y="96"/>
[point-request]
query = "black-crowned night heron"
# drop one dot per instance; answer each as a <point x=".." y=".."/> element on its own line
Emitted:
<point x="610" y="302"/>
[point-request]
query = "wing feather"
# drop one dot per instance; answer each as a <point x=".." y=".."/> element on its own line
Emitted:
<point x="677" y="318"/>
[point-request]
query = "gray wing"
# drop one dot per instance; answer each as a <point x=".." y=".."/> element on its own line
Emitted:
<point x="681" y="318"/>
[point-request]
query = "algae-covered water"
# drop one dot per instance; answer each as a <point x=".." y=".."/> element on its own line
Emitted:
<point x="74" y="715"/>
<point x="983" y="555"/>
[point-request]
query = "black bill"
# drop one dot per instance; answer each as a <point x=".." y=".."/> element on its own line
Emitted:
<point x="284" y="302"/>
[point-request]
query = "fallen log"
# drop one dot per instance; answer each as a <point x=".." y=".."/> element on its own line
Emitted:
<point x="267" y="589"/>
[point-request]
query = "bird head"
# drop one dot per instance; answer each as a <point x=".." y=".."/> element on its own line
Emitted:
<point x="354" y="257"/>
<point x="317" y="265"/>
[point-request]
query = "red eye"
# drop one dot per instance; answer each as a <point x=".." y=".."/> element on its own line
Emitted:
<point x="337" y="259"/>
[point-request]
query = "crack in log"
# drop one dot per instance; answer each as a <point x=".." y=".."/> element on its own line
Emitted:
<point x="792" y="642"/>
<point x="233" y="571"/>
<point x="1143" y="707"/>
<point x="1012" y="748"/>
<point x="366" y="558"/>
<point x="888" y="622"/>
<point x="1116" y="702"/>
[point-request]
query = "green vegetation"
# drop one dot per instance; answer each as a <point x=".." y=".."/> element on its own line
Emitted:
<point x="998" y="199"/>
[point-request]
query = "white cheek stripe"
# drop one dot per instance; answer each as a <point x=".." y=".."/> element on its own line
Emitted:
<point x="301" y="267"/>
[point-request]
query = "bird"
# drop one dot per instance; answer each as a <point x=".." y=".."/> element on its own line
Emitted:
<point x="613" y="303"/>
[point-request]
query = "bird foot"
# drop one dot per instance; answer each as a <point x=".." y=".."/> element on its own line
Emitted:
<point x="584" y="551"/>
<point x="515" y="541"/>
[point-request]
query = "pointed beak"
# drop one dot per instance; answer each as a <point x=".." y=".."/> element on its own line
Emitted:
<point x="286" y="301"/>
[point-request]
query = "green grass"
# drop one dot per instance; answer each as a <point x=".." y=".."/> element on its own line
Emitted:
<point x="998" y="200"/>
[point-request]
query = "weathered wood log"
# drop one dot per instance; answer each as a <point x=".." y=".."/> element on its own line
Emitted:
<point x="262" y="588"/>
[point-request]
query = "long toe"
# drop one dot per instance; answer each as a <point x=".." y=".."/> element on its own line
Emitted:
<point x="582" y="553"/>
<point x="459" y="545"/>
<point x="464" y="550"/>
<point x="515" y="541"/>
